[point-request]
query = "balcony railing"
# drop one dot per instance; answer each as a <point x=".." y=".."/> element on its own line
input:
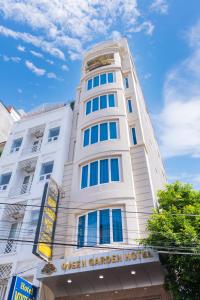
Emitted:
<point x="21" y="190"/>
<point x="8" y="247"/>
<point x="33" y="149"/>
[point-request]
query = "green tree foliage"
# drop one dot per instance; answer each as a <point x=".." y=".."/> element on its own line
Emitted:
<point x="175" y="225"/>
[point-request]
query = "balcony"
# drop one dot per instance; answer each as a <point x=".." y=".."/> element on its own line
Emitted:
<point x="35" y="148"/>
<point x="34" y="140"/>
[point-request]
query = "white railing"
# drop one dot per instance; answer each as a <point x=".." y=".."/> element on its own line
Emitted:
<point x="33" y="149"/>
<point x="8" y="247"/>
<point x="20" y="190"/>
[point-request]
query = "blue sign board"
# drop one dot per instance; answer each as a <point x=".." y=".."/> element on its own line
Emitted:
<point x="21" y="289"/>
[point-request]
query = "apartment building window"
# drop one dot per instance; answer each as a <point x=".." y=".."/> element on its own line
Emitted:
<point x="129" y="106"/>
<point x="46" y="170"/>
<point x="16" y="145"/>
<point x="100" y="132"/>
<point x="100" y="227"/>
<point x="100" y="172"/>
<point x="100" y="80"/>
<point x="126" y="82"/>
<point x="134" y="136"/>
<point x="4" y="181"/>
<point x="53" y="134"/>
<point x="101" y="102"/>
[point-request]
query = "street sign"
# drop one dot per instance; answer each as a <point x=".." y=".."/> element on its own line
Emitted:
<point x="47" y="221"/>
<point x="22" y="289"/>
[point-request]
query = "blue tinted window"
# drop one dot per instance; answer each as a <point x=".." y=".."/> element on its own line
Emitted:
<point x="126" y="83"/>
<point x="111" y="100"/>
<point x="103" y="131"/>
<point x="110" y="78"/>
<point x="89" y="85"/>
<point x="103" y="101"/>
<point x="130" y="110"/>
<point x="94" y="134"/>
<point x="104" y="177"/>
<point x="113" y="130"/>
<point x="104" y="226"/>
<point x="81" y="231"/>
<point x="86" y="137"/>
<point x="117" y="225"/>
<point x="84" y="176"/>
<point x="94" y="173"/>
<point x="103" y="79"/>
<point x="114" y="169"/>
<point x="92" y="229"/>
<point x="88" y="107"/>
<point x="96" y="81"/>
<point x="134" y="138"/>
<point x="95" y="104"/>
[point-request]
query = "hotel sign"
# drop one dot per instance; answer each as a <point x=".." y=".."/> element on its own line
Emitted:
<point x="45" y="231"/>
<point x="103" y="260"/>
<point x="21" y="289"/>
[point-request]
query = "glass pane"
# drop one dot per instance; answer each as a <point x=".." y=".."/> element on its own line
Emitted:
<point x="126" y="83"/>
<point x="94" y="173"/>
<point x="88" y="107"/>
<point x="113" y="130"/>
<point x="84" y="176"/>
<point x="96" y="81"/>
<point x="103" y="131"/>
<point x="5" y="178"/>
<point x="89" y="85"/>
<point x="17" y="143"/>
<point x="95" y="104"/>
<point x="92" y="229"/>
<point x="103" y="101"/>
<point x="103" y="79"/>
<point x="54" y="132"/>
<point x="114" y="169"/>
<point x="104" y="226"/>
<point x="47" y="168"/>
<point x="130" y="106"/>
<point x="110" y="78"/>
<point x="86" y="137"/>
<point x="104" y="177"/>
<point x="81" y="231"/>
<point x="94" y="134"/>
<point x="111" y="100"/>
<point x="134" y="139"/>
<point x="117" y="225"/>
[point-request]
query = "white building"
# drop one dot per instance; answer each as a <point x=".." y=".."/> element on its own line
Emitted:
<point x="8" y="115"/>
<point x="110" y="181"/>
<point x="36" y="149"/>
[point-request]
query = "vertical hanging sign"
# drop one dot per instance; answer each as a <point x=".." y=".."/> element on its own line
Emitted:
<point x="22" y="289"/>
<point x="45" y="231"/>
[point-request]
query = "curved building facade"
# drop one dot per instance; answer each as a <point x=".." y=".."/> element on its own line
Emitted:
<point x="110" y="183"/>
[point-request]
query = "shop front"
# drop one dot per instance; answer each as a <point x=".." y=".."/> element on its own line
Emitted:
<point x="117" y="274"/>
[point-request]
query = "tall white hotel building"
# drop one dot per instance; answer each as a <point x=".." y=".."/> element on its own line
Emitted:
<point x="111" y="172"/>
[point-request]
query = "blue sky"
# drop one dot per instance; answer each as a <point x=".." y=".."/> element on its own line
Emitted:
<point x="42" y="43"/>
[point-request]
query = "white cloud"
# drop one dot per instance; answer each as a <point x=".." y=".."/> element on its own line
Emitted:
<point x="21" y="48"/>
<point x="31" y="39"/>
<point x="37" y="54"/>
<point x="15" y="59"/>
<point x="70" y="25"/>
<point x="192" y="178"/>
<point x="34" y="69"/>
<point x="147" y="76"/>
<point x="159" y="6"/>
<point x="51" y="75"/>
<point x="116" y="35"/>
<point x="179" y="121"/>
<point x="19" y="91"/>
<point x="64" y="68"/>
<point x="49" y="61"/>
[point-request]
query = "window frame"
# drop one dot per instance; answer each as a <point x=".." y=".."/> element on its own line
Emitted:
<point x="111" y="208"/>
<point x="53" y="138"/>
<point x="45" y="176"/>
<point x="16" y="148"/>
<point x="108" y="122"/>
<point x="130" y="111"/>
<point x="134" y="140"/>
<point x="98" y="174"/>
<point x="3" y="187"/>
<point x="111" y="74"/>
<point x="107" y="103"/>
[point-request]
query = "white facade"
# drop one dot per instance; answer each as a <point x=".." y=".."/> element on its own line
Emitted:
<point x="37" y="148"/>
<point x="114" y="169"/>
